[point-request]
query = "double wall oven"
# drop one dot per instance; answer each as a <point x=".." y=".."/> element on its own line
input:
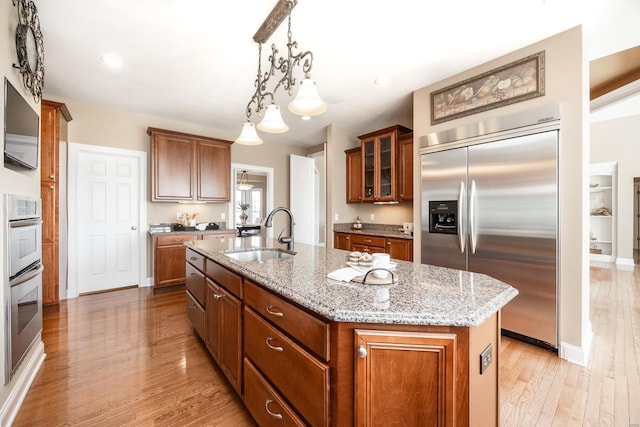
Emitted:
<point x="24" y="293"/>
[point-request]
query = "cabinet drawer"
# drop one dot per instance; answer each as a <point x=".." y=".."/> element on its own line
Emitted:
<point x="367" y="240"/>
<point x="195" y="283"/>
<point x="223" y="277"/>
<point x="195" y="313"/>
<point x="263" y="402"/>
<point x="310" y="331"/>
<point x="298" y="376"/>
<point x="175" y="239"/>
<point x="196" y="259"/>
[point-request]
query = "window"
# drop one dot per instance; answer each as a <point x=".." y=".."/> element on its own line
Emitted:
<point x="252" y="197"/>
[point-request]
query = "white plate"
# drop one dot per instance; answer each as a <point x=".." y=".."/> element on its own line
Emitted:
<point x="392" y="266"/>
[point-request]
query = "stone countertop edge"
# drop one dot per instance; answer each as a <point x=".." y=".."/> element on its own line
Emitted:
<point x="219" y="231"/>
<point x="424" y="294"/>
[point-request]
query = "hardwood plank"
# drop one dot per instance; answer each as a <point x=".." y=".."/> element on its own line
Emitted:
<point x="127" y="358"/>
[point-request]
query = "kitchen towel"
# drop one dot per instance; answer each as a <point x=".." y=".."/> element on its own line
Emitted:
<point x="344" y="274"/>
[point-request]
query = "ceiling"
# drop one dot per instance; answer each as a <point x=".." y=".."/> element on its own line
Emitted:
<point x="195" y="61"/>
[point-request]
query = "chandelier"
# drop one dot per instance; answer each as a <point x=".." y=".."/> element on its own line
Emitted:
<point x="244" y="185"/>
<point x="307" y="102"/>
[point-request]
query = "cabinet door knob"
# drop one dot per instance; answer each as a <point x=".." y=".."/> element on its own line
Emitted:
<point x="269" y="310"/>
<point x="273" y="347"/>
<point x="273" y="414"/>
<point x="361" y="352"/>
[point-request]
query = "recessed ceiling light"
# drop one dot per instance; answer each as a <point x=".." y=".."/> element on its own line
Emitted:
<point x="381" y="81"/>
<point x="111" y="60"/>
<point x="334" y="99"/>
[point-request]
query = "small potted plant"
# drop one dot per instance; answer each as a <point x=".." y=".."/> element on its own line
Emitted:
<point x="243" y="214"/>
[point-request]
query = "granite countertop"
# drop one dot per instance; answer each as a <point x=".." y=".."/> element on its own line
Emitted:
<point x="424" y="294"/>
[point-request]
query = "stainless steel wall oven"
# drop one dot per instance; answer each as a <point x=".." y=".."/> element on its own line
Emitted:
<point x="24" y="293"/>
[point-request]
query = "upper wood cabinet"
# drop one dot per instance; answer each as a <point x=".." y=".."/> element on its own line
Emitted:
<point x="189" y="167"/>
<point x="354" y="175"/>
<point x="378" y="179"/>
<point x="405" y="167"/>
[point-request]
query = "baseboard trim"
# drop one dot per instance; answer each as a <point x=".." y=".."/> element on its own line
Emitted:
<point x="578" y="355"/>
<point x="627" y="262"/>
<point x="11" y="406"/>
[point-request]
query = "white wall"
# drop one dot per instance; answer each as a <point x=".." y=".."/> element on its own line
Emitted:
<point x="566" y="85"/>
<point x="11" y="181"/>
<point x="618" y="141"/>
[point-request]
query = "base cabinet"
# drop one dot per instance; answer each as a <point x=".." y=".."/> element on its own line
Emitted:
<point x="401" y="249"/>
<point x="394" y="371"/>
<point x="223" y="328"/>
<point x="169" y="259"/>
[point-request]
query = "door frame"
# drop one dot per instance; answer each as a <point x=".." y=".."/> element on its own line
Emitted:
<point x="73" y="150"/>
<point x="239" y="167"/>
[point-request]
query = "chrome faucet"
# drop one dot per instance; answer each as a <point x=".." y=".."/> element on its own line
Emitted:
<point x="269" y="222"/>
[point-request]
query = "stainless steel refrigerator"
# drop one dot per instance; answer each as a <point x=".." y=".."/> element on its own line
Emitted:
<point x="491" y="206"/>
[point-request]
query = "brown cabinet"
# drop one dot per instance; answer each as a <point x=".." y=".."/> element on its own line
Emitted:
<point x="342" y="241"/>
<point x="223" y="331"/>
<point x="354" y="175"/>
<point x="394" y="357"/>
<point x="398" y="248"/>
<point x="379" y="174"/>
<point x="54" y="117"/>
<point x="189" y="167"/>
<point x="169" y="259"/>
<point x="195" y="313"/>
<point x="405" y="167"/>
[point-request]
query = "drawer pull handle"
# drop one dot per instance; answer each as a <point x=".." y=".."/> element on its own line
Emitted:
<point x="217" y="296"/>
<point x="273" y="414"/>
<point x="194" y="275"/>
<point x="192" y="306"/>
<point x="361" y="352"/>
<point x="367" y="241"/>
<point x="272" y="347"/>
<point x="193" y="258"/>
<point x="274" y="313"/>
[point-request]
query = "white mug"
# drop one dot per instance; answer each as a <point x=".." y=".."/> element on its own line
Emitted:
<point x="380" y="260"/>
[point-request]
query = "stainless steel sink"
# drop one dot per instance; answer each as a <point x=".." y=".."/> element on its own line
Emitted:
<point x="259" y="255"/>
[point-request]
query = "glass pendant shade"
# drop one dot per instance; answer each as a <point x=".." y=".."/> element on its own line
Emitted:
<point x="249" y="136"/>
<point x="272" y="122"/>
<point x="307" y="102"/>
<point x="244" y="185"/>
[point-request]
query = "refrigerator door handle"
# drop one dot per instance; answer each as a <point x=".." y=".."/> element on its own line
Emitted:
<point x="461" y="236"/>
<point x="472" y="218"/>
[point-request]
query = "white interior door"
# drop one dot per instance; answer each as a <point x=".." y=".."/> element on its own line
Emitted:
<point x="302" y="191"/>
<point x="106" y="221"/>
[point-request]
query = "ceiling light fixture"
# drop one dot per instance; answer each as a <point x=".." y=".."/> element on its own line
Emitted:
<point x="244" y="185"/>
<point x="307" y="101"/>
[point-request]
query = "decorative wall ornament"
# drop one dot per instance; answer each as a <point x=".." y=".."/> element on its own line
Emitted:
<point x="518" y="81"/>
<point x="30" y="47"/>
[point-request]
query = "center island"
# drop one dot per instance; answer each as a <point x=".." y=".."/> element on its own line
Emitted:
<point x="302" y="349"/>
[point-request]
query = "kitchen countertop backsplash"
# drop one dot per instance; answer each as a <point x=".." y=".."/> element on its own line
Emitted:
<point x="383" y="230"/>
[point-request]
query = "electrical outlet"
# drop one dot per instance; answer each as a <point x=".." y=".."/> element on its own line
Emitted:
<point x="336" y="217"/>
<point x="179" y="216"/>
<point x="372" y="217"/>
<point x="486" y="357"/>
<point x="223" y="216"/>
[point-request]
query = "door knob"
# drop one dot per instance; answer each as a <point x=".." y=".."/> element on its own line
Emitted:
<point x="133" y="227"/>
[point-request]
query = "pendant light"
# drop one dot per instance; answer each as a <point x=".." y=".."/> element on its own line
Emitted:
<point x="272" y="122"/>
<point x="307" y="102"/>
<point x="248" y="136"/>
<point x="244" y="185"/>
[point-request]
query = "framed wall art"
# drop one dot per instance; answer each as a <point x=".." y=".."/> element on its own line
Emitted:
<point x="518" y="81"/>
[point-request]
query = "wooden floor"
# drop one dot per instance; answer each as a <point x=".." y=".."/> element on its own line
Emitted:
<point x="129" y="358"/>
